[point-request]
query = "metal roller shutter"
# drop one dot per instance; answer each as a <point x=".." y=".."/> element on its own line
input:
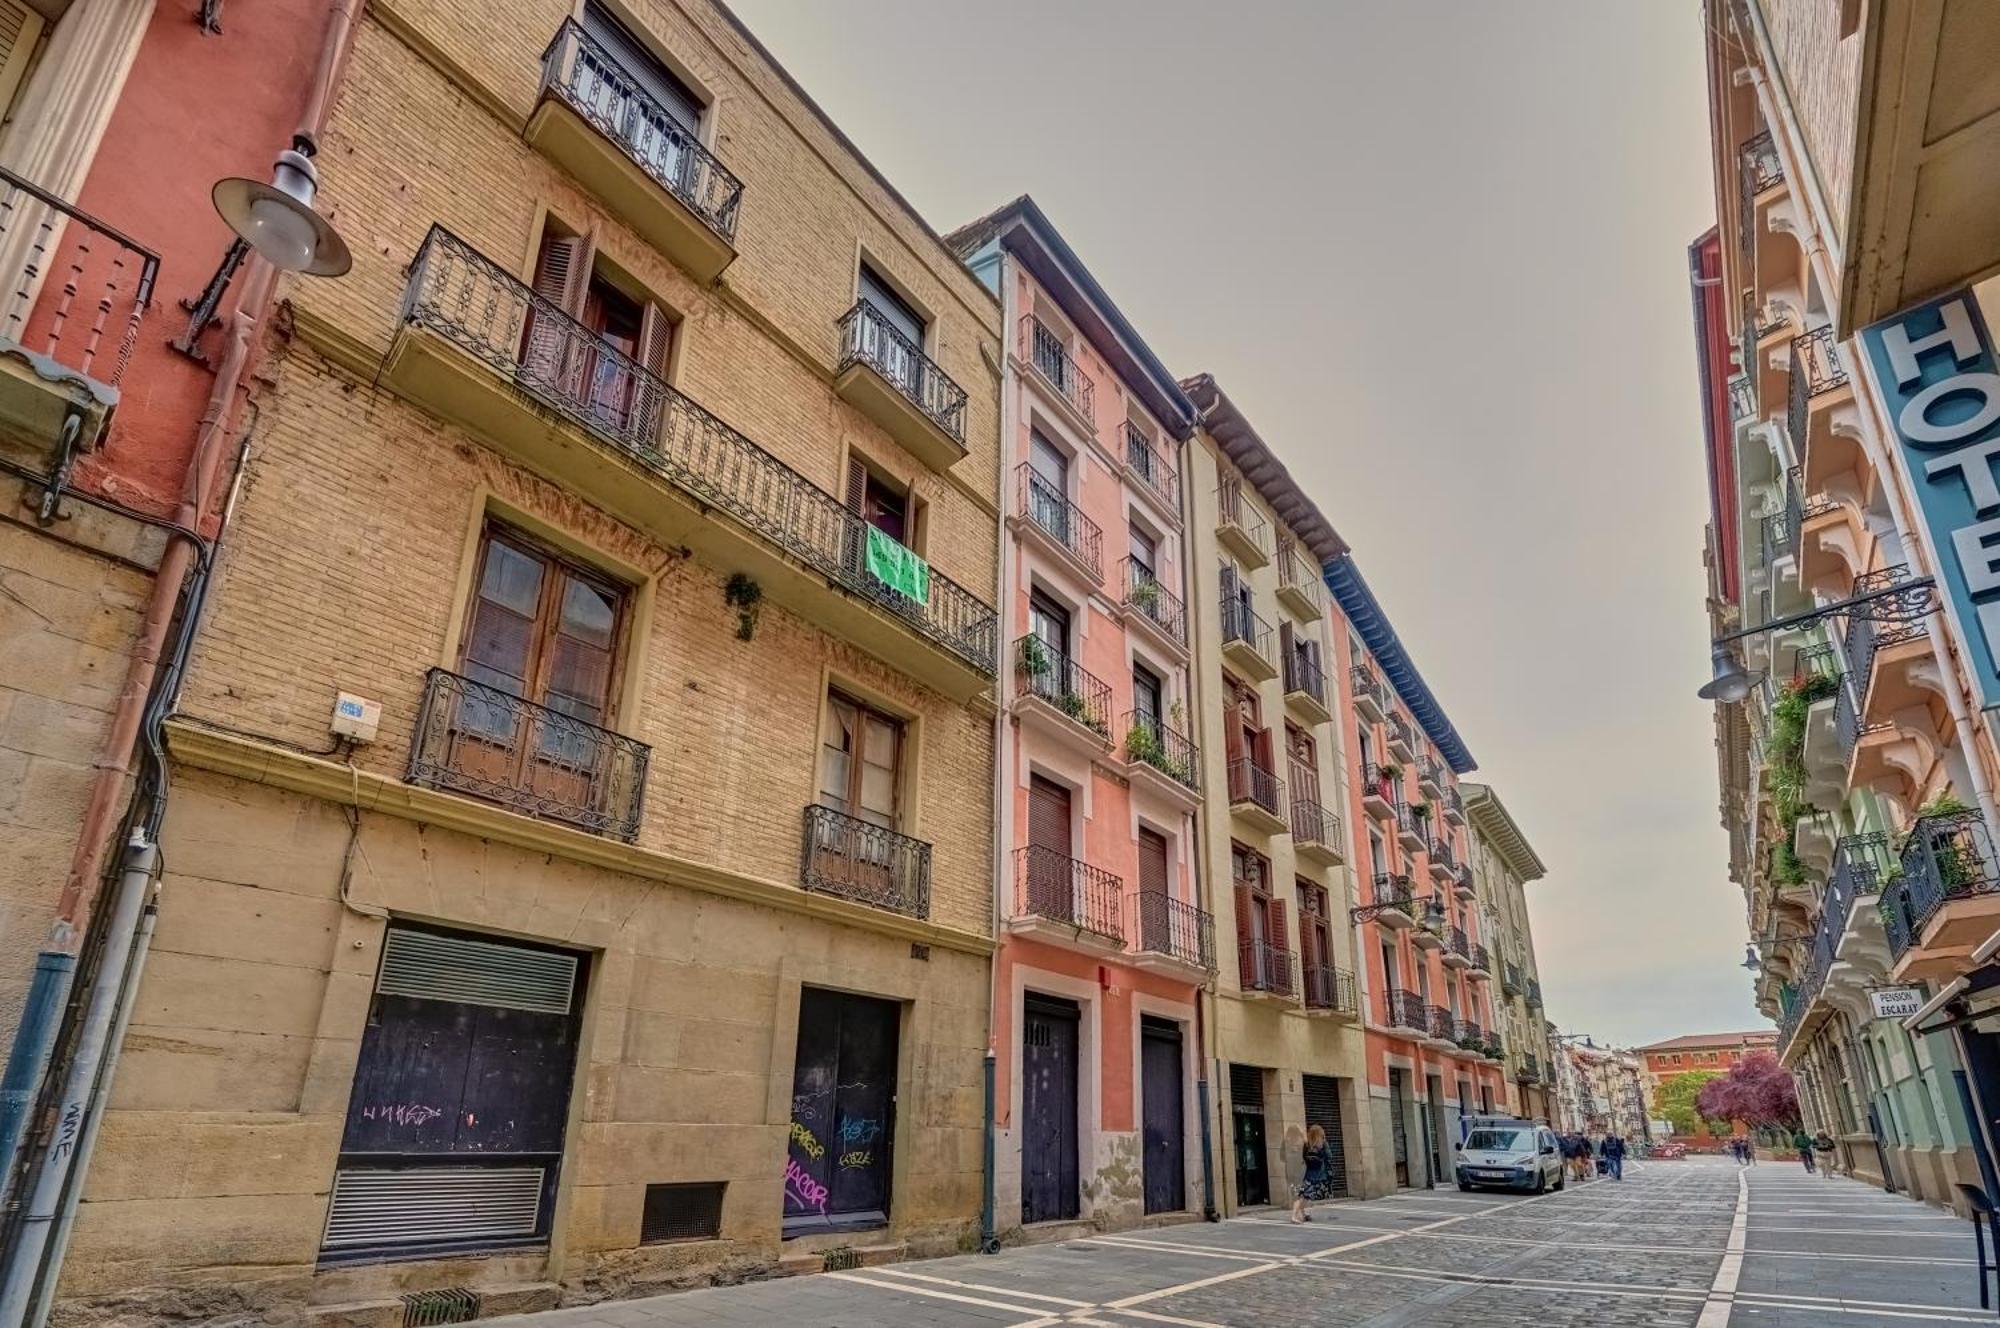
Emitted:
<point x="434" y="967"/>
<point x="420" y="1205"/>
<point x="1322" y="1096"/>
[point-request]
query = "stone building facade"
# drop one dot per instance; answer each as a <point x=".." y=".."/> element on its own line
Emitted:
<point x="579" y="854"/>
<point x="1503" y="863"/>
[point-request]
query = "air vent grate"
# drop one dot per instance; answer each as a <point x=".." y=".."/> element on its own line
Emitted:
<point x="841" y="1258"/>
<point x="424" y="1205"/>
<point x="446" y="1305"/>
<point x="435" y="967"/>
<point x="682" y="1212"/>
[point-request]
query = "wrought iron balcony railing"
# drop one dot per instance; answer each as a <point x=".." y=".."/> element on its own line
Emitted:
<point x="1947" y="857"/>
<point x="62" y="305"/>
<point x="1469" y="1034"/>
<point x="1451" y="802"/>
<point x="1167" y="926"/>
<point x="1062" y="520"/>
<point x="1759" y="168"/>
<point x="1441" y="1023"/>
<point x="1403" y="1009"/>
<point x="1408" y="823"/>
<point x="1535" y="993"/>
<point x="1742" y="398"/>
<point x="1482" y="959"/>
<point x="1328" y="987"/>
<point x="1314" y="824"/>
<point x="1262" y="966"/>
<point x="1234" y="511"/>
<point x="1390" y="890"/>
<point x="1303" y="675"/>
<point x="1402" y="732"/>
<point x="490" y="744"/>
<point x="1510" y="978"/>
<point x="1820" y="661"/>
<point x="868" y="337"/>
<point x="1252" y="783"/>
<point x="1151" y="739"/>
<point x="1865" y="636"/>
<point x="866" y="863"/>
<point x="1297" y="574"/>
<point x="470" y="301"/>
<point x="592" y="82"/>
<point x="1439" y="848"/>
<point x="1528" y="1071"/>
<point x="1145" y="592"/>
<point x="1152" y="466"/>
<point x="1049" y="355"/>
<point x="1458" y="943"/>
<point x="1057" y="888"/>
<point x="1242" y="623"/>
<point x="1368" y="687"/>
<point x="1046" y="673"/>
<point x="1815" y="369"/>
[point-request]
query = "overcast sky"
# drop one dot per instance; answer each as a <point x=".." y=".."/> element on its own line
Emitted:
<point x="1437" y="252"/>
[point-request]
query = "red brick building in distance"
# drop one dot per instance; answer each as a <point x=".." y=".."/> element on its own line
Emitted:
<point x="1699" y="1051"/>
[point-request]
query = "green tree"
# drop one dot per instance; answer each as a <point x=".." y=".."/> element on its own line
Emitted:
<point x="1675" y="1100"/>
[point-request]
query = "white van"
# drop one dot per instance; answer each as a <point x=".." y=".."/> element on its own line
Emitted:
<point x="1518" y="1155"/>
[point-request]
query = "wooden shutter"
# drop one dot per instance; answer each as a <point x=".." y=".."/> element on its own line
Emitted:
<point x="1152" y="863"/>
<point x="1274" y="918"/>
<point x="857" y="484"/>
<point x="562" y="271"/>
<point x="20" y="27"/>
<point x="1308" y="928"/>
<point x="1245" y="934"/>
<point x="1285" y="647"/>
<point x="1048" y="815"/>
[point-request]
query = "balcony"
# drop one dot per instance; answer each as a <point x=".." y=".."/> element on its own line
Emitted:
<point x="1461" y="882"/>
<point x="1380" y="791"/>
<point x="490" y="744"/>
<point x="1404" y="1012"/>
<point x="1510" y="978"/>
<point x="1440" y="1027"/>
<point x="68" y="328"/>
<point x="1760" y="174"/>
<point x="865" y="863"/>
<point x="1889" y="662"/>
<point x="1428" y="933"/>
<point x="1430" y="777"/>
<point x="1058" y="375"/>
<point x="1257" y="796"/>
<point x="1818" y="382"/>
<point x="1067" y="901"/>
<point x="1482" y="965"/>
<point x="888" y="378"/>
<point x="1329" y="990"/>
<point x="1392" y="902"/>
<point x="1239" y="526"/>
<point x="1452" y="805"/>
<point x="1861" y="863"/>
<point x="1469" y="1036"/>
<point x="1371" y="694"/>
<point x="1534" y="994"/>
<point x="480" y="348"/>
<point x="1045" y="517"/>
<point x="1152" y="474"/>
<point x="1947" y="900"/>
<point x="1171" y="936"/>
<point x="1305" y="686"/>
<point x="1316" y="833"/>
<point x="1403" y="741"/>
<point x="1529" y="1071"/>
<point x="1146" y="604"/>
<point x="1742" y="399"/>
<point x="1299" y="586"/>
<point x="1162" y="761"/>
<point x="1411" y="832"/>
<point x="1246" y="640"/>
<point x="1267" y="969"/>
<point x="597" y="122"/>
<point x="1457" y="948"/>
<point x="1443" y="864"/>
<point x="1057" y="697"/>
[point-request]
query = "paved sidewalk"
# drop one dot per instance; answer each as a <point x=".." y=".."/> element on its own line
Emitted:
<point x="1694" y="1243"/>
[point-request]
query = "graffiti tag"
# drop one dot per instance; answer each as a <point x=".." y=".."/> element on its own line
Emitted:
<point x="402" y="1113"/>
<point x="860" y="1157"/>
<point x="807" y="1140"/>
<point x="854" y="1131"/>
<point x="802" y="1189"/>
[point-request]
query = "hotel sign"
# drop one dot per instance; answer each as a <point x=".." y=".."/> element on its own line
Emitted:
<point x="1896" y="1002"/>
<point x="1934" y="366"/>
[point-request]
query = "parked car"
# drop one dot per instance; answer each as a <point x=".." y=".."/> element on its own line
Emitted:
<point x="1516" y="1155"/>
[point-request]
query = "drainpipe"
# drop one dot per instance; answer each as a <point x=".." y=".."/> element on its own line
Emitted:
<point x="1003" y="767"/>
<point x="55" y="969"/>
<point x="1206" y="1105"/>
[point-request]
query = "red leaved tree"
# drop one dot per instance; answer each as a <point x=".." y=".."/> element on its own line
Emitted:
<point x="1757" y="1091"/>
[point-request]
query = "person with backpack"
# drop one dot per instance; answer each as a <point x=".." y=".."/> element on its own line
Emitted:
<point x="1803" y="1144"/>
<point x="1613" y="1152"/>
<point x="1823" y="1145"/>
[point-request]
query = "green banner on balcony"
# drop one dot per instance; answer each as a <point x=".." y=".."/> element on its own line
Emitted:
<point x="897" y="567"/>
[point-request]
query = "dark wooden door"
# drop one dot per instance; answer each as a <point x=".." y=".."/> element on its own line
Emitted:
<point x="1050" y="893"/>
<point x="1246" y="1103"/>
<point x="1163" y="1116"/>
<point x="1399" y="1123"/>
<point x="1050" y="1176"/>
<point x="1322" y="1096"/>
<point x="843" y="1112"/>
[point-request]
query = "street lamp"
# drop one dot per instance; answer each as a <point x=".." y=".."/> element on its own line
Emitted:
<point x="1901" y="601"/>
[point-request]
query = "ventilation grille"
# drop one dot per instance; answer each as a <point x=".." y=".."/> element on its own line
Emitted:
<point x="432" y="1205"/>
<point x="447" y="1305"/>
<point x="840" y="1258"/>
<point x="457" y="968"/>
<point x="682" y="1212"/>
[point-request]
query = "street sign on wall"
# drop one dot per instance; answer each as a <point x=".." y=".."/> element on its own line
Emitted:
<point x="1896" y="1002"/>
<point x="1935" y="369"/>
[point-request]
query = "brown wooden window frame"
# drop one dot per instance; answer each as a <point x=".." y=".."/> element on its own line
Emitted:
<point x="837" y="695"/>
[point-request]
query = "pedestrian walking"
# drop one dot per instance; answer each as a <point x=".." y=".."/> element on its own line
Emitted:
<point x="1803" y="1143"/>
<point x="1317" y="1184"/>
<point x="1823" y="1145"/>
<point x="1613" y="1149"/>
<point x="1583" y="1157"/>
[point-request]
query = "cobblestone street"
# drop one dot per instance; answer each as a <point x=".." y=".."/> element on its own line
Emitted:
<point x="1695" y="1243"/>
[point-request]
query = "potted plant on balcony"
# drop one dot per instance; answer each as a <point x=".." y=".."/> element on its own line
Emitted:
<point x="1142" y="743"/>
<point x="1145" y="596"/>
<point x="1034" y="661"/>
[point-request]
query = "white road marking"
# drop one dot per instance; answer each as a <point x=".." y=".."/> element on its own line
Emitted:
<point x="907" y="1289"/>
<point x="1715" y="1311"/>
<point x="977" y="1286"/>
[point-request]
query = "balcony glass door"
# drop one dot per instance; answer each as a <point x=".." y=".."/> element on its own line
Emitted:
<point x="899" y="356"/>
<point x="1051" y="889"/>
<point x="860" y="758"/>
<point x="1048" y="487"/>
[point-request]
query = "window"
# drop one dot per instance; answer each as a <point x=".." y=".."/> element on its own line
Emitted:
<point x="1315" y="935"/>
<point x="682" y="106"/>
<point x="860" y="761"/>
<point x="1049" y="621"/>
<point x="893" y="307"/>
<point x="608" y="367"/>
<point x="1378" y="857"/>
<point x="1145" y="555"/>
<point x="1148" y="694"/>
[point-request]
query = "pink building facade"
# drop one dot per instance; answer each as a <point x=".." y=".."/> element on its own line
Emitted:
<point x="1104" y="943"/>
